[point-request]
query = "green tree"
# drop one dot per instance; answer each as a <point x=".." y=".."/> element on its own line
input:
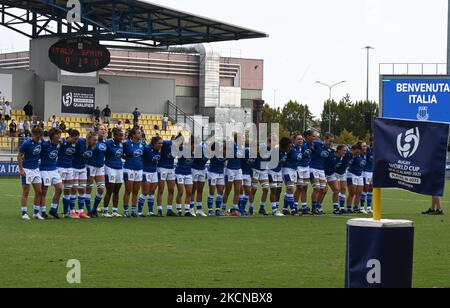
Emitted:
<point x="346" y="138"/>
<point x="296" y="117"/>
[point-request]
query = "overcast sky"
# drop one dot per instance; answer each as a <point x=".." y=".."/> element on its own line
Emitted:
<point x="320" y="40"/>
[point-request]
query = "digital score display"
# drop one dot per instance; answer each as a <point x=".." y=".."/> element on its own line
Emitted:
<point x="79" y="55"/>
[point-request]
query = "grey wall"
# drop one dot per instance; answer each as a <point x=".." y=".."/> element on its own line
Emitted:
<point x="149" y="95"/>
<point x="188" y="104"/>
<point x="53" y="104"/>
<point x="39" y="60"/>
<point x="22" y="87"/>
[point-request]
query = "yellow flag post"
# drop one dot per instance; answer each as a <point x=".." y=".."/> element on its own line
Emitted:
<point x="377" y="204"/>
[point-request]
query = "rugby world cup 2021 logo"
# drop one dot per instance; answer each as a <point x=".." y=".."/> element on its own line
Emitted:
<point x="68" y="99"/>
<point x="408" y="142"/>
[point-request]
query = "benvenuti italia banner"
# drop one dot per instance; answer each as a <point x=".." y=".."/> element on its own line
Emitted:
<point x="410" y="155"/>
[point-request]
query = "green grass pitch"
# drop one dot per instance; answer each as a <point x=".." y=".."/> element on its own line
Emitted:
<point x="204" y="252"/>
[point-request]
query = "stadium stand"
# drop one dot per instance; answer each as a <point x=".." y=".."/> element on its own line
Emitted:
<point x="152" y="125"/>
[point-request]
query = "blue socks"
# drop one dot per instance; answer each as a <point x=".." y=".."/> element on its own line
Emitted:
<point x="369" y="200"/>
<point x="98" y="200"/>
<point x="151" y="203"/>
<point x="219" y="201"/>
<point x="73" y="202"/>
<point x="363" y="199"/>
<point x="141" y="203"/>
<point x="210" y="202"/>
<point x="80" y="202"/>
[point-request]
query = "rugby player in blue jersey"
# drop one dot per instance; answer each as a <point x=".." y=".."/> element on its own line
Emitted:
<point x="166" y="173"/>
<point x="247" y="175"/>
<point x="133" y="149"/>
<point x="96" y="172"/>
<point x="216" y="180"/>
<point x="304" y="173"/>
<point x="344" y="156"/>
<point x="367" y="194"/>
<point x="199" y="178"/>
<point x="66" y="154"/>
<point x="84" y="151"/>
<point x="355" y="179"/>
<point x="321" y="150"/>
<point x="261" y="177"/>
<point x="114" y="172"/>
<point x="290" y="174"/>
<point x="151" y="158"/>
<point x="233" y="172"/>
<point x="28" y="160"/>
<point x="183" y="172"/>
<point x="332" y="181"/>
<point x="276" y="174"/>
<point x="49" y="171"/>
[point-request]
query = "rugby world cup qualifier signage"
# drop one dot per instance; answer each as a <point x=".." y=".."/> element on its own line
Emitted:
<point x="79" y="55"/>
<point x="77" y="100"/>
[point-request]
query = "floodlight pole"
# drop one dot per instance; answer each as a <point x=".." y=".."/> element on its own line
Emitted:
<point x="330" y="88"/>
<point x="368" y="48"/>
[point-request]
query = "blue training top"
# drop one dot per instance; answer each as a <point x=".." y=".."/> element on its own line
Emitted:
<point x="32" y="153"/>
<point x="217" y="165"/>
<point x="320" y="153"/>
<point x="246" y="163"/>
<point x="82" y="155"/>
<point x="133" y="155"/>
<point x="282" y="160"/>
<point x="294" y="156"/>
<point x="113" y="157"/>
<point x="369" y="160"/>
<point x="66" y="154"/>
<point x="184" y="165"/>
<point x="98" y="158"/>
<point x="306" y="155"/>
<point x="151" y="159"/>
<point x="342" y="163"/>
<point x="49" y="156"/>
<point x="200" y="163"/>
<point x="167" y="160"/>
<point x="356" y="165"/>
<point x="235" y="163"/>
<point x="330" y="164"/>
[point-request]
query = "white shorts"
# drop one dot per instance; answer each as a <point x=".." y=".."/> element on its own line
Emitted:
<point x="199" y="175"/>
<point x="166" y="174"/>
<point x="355" y="179"/>
<point x="275" y="177"/>
<point x="233" y="175"/>
<point x="216" y="179"/>
<point x="247" y="180"/>
<point x="318" y="175"/>
<point x="260" y="175"/>
<point x="185" y="179"/>
<point x="304" y="173"/>
<point x="132" y="175"/>
<point x="80" y="174"/>
<point x="290" y="175"/>
<point x="66" y="174"/>
<point x="95" y="171"/>
<point x="150" y="177"/>
<point x="50" y="178"/>
<point x="368" y="178"/>
<point x="331" y="178"/>
<point x="32" y="176"/>
<point x="114" y="176"/>
<point x="341" y="177"/>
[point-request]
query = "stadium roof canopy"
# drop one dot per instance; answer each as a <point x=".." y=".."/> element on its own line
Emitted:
<point x="125" y="21"/>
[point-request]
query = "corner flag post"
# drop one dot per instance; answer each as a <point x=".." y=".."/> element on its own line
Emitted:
<point x="377" y="204"/>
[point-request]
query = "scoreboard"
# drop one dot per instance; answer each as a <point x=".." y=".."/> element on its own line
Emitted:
<point x="79" y="55"/>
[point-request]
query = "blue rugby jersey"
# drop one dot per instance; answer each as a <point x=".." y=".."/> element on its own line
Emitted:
<point x="342" y="163"/>
<point x="217" y="165"/>
<point x="200" y="163"/>
<point x="283" y="156"/>
<point x="167" y="160"/>
<point x="32" y="153"/>
<point x="235" y="163"/>
<point x="49" y="156"/>
<point x="369" y="160"/>
<point x="306" y="155"/>
<point x="246" y="163"/>
<point x="356" y="165"/>
<point x="66" y="154"/>
<point x="151" y="159"/>
<point x="184" y="165"/>
<point x="319" y="154"/>
<point x="98" y="158"/>
<point x="113" y="157"/>
<point x="330" y="164"/>
<point x="294" y="156"/>
<point x="133" y="155"/>
<point x="82" y="155"/>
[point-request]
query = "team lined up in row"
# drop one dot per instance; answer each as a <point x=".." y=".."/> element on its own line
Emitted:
<point x="72" y="165"/>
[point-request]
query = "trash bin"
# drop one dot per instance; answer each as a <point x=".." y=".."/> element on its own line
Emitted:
<point x="379" y="253"/>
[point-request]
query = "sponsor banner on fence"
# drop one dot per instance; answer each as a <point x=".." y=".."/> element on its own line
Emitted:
<point x="9" y="169"/>
<point x="411" y="155"/>
<point x="78" y="100"/>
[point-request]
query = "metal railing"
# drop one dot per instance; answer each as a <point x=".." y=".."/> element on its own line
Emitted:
<point x="178" y="116"/>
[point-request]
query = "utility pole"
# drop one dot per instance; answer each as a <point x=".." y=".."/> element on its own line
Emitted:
<point x="368" y="48"/>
